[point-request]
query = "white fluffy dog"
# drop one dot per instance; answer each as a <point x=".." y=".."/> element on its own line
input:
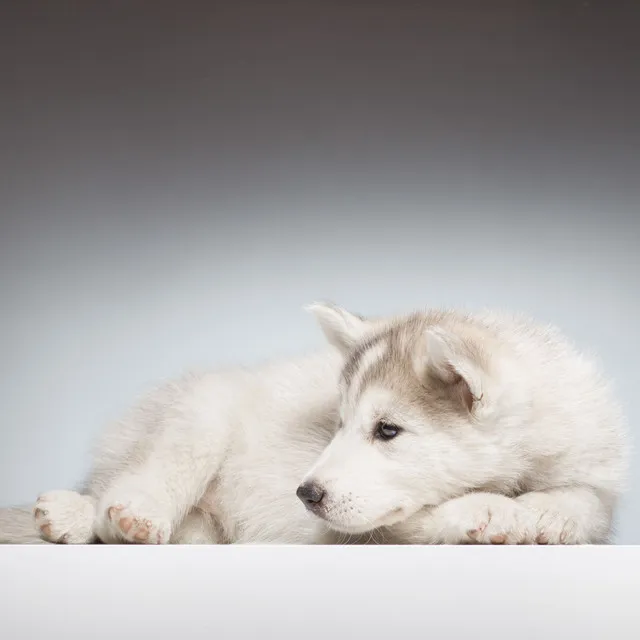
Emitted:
<point x="436" y="427"/>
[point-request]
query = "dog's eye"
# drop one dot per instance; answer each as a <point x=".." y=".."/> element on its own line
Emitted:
<point x="386" y="431"/>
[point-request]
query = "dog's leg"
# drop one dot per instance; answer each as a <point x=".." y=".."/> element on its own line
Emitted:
<point x="559" y="516"/>
<point x="480" y="518"/>
<point x="146" y="504"/>
<point x="326" y="536"/>
<point x="197" y="528"/>
<point x="569" y="516"/>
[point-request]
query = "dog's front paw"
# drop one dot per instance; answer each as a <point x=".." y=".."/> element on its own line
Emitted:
<point x="482" y="518"/>
<point x="552" y="526"/>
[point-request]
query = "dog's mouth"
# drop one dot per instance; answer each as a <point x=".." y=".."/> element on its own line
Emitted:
<point x="390" y="518"/>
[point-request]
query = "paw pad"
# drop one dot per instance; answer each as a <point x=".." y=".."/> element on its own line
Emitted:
<point x="130" y="527"/>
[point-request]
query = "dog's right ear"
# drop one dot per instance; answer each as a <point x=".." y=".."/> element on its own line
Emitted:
<point x="455" y="361"/>
<point x="342" y="328"/>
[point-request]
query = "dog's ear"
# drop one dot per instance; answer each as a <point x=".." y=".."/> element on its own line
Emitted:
<point x="342" y="328"/>
<point x="455" y="361"/>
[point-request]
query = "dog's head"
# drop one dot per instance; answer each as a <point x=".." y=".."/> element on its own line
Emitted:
<point x="415" y="394"/>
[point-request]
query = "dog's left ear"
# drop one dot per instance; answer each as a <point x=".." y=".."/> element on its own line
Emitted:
<point x="455" y="361"/>
<point x="342" y="328"/>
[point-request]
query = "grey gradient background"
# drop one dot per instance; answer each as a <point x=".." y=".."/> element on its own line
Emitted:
<point x="178" y="179"/>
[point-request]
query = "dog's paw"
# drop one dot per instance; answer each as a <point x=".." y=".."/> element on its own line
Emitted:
<point x="483" y="518"/>
<point x="64" y="517"/>
<point x="552" y="527"/>
<point x="136" y="519"/>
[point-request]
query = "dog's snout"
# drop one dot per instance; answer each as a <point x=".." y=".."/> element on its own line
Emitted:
<point x="310" y="493"/>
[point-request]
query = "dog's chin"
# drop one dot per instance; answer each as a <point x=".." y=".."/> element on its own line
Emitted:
<point x="355" y="528"/>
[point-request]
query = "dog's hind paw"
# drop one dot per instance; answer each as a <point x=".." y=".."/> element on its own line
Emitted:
<point x="64" y="517"/>
<point x="138" y="520"/>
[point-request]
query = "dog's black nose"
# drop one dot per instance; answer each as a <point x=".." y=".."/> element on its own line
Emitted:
<point x="310" y="493"/>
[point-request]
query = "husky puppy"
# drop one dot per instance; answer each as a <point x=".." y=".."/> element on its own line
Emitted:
<point x="438" y="427"/>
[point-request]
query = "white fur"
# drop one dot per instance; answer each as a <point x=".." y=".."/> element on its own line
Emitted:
<point x="539" y="457"/>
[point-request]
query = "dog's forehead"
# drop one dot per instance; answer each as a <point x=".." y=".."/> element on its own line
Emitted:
<point x="383" y="362"/>
<point x="381" y="398"/>
<point x="380" y="376"/>
<point x="365" y="353"/>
